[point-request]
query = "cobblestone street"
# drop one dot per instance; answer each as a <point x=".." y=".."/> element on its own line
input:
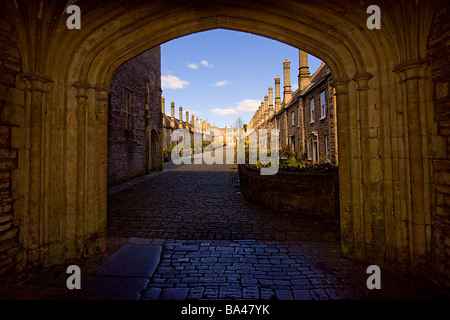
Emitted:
<point x="218" y="246"/>
<point x="186" y="233"/>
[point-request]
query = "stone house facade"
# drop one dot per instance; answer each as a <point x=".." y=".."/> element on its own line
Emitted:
<point x="135" y="119"/>
<point x="306" y="118"/>
<point x="171" y="123"/>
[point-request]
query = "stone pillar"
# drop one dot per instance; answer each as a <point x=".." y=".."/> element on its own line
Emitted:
<point x="101" y="98"/>
<point x="287" y="82"/>
<point x="304" y="77"/>
<point x="81" y="96"/>
<point x="372" y="213"/>
<point x="277" y="94"/>
<point x="266" y="108"/>
<point x="346" y="214"/>
<point x="271" y="111"/>
<point x="35" y="94"/>
<point x="187" y="118"/>
<point x="412" y="74"/>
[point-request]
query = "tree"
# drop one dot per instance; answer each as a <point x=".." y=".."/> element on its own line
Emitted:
<point x="239" y="123"/>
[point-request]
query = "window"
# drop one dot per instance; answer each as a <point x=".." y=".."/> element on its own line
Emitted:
<point x="128" y="108"/>
<point x="311" y="108"/>
<point x="298" y="116"/>
<point x="323" y="105"/>
<point x="293" y="118"/>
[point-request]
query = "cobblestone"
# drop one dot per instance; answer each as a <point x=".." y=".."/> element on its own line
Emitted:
<point x="215" y="245"/>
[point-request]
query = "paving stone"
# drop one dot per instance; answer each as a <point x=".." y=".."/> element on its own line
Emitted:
<point x="186" y="248"/>
<point x="283" y="294"/>
<point x="196" y="293"/>
<point x="152" y="294"/>
<point x="211" y="292"/>
<point x="302" y="295"/>
<point x="131" y="261"/>
<point x="267" y="294"/>
<point x="189" y="280"/>
<point x="251" y="293"/>
<point x="174" y="294"/>
<point x="230" y="292"/>
<point x="319" y="294"/>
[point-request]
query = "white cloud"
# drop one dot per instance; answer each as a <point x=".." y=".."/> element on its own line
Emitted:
<point x="225" y="112"/>
<point x="206" y="64"/>
<point x="221" y="83"/>
<point x="193" y="66"/>
<point x="173" y="82"/>
<point x="248" y="105"/>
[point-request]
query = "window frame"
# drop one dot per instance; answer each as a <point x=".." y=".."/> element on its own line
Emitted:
<point x="311" y="110"/>
<point x="323" y="105"/>
<point x="128" y="108"/>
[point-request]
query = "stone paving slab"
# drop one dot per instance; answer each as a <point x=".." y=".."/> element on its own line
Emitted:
<point x="131" y="260"/>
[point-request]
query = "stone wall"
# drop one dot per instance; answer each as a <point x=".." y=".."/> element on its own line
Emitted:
<point x="9" y="68"/>
<point x="439" y="51"/>
<point x="303" y="193"/>
<point x="128" y="148"/>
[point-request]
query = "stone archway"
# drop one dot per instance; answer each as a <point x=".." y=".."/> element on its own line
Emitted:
<point x="386" y="128"/>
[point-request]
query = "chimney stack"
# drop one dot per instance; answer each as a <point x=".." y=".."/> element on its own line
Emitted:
<point x="261" y="115"/>
<point x="163" y="105"/>
<point x="304" y="77"/>
<point x="181" y="113"/>
<point x="287" y="81"/>
<point x="172" y="109"/>
<point x="172" y="113"/>
<point x="187" y="117"/>
<point x="266" y="108"/>
<point x="271" y="102"/>
<point x="277" y="94"/>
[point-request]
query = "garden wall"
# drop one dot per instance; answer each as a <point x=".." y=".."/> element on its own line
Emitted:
<point x="303" y="193"/>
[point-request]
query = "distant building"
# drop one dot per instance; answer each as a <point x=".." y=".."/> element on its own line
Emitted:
<point x="171" y="123"/>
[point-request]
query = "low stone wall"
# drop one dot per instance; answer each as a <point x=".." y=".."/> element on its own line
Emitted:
<point x="304" y="193"/>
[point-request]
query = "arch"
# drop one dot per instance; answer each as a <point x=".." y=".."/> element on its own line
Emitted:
<point x="385" y="119"/>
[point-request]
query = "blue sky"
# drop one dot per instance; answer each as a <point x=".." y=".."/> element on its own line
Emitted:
<point x="221" y="75"/>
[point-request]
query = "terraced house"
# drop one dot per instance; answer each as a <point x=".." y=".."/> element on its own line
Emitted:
<point x="306" y="118"/>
